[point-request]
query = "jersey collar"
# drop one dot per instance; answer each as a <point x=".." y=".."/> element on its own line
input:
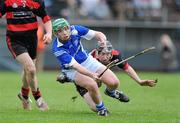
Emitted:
<point x="59" y="44"/>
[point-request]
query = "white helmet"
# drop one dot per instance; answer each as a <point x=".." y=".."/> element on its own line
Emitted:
<point x="106" y="49"/>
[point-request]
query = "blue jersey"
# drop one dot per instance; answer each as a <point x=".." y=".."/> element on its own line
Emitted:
<point x="72" y="50"/>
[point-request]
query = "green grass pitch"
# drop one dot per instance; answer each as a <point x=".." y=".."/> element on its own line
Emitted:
<point x="160" y="104"/>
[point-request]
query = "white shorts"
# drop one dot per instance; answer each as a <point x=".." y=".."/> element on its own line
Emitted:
<point x="90" y="63"/>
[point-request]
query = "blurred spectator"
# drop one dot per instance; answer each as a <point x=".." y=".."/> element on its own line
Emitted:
<point x="155" y="8"/>
<point x="117" y="8"/>
<point x="68" y="9"/>
<point x="129" y="10"/>
<point x="168" y="54"/>
<point x="73" y="8"/>
<point x="48" y="5"/>
<point x="177" y="33"/>
<point x="141" y="8"/>
<point x="95" y="9"/>
<point x="172" y="8"/>
<point x="60" y="9"/>
<point x="148" y="9"/>
<point x="177" y="2"/>
<point x="151" y="10"/>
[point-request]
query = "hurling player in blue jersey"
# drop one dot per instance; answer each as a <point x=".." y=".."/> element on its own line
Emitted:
<point x="79" y="66"/>
<point x="105" y="55"/>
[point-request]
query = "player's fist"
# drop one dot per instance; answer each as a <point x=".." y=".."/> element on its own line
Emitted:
<point x="47" y="38"/>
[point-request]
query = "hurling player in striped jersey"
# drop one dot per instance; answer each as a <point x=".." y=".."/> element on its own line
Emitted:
<point x="21" y="38"/>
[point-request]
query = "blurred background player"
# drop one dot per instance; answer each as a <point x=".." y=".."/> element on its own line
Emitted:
<point x="21" y="39"/>
<point x="168" y="54"/>
<point x="79" y="66"/>
<point x="105" y="55"/>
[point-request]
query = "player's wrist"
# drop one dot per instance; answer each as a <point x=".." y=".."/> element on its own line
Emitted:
<point x="139" y="81"/>
<point x="49" y="33"/>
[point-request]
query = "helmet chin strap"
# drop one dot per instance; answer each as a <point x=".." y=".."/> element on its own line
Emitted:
<point x="110" y="57"/>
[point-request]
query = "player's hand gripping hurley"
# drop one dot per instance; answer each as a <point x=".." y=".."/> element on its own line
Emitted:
<point x="117" y="62"/>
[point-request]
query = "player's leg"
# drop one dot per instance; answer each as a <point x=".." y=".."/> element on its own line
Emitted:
<point x="90" y="102"/>
<point x="32" y="51"/>
<point x="26" y="49"/>
<point x="24" y="93"/>
<point x="90" y="85"/>
<point x="85" y="94"/>
<point x="112" y="83"/>
<point x="93" y="90"/>
<point x="30" y="78"/>
<point x="41" y="104"/>
<point x="26" y="62"/>
<point x="16" y="48"/>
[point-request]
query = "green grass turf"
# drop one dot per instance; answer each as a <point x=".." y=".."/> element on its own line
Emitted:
<point x="160" y="104"/>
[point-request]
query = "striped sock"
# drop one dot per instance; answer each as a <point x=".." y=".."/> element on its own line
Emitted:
<point x="36" y="94"/>
<point x="25" y="92"/>
<point x="110" y="92"/>
<point x="100" y="106"/>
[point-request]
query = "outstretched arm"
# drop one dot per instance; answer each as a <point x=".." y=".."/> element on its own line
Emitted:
<point x="132" y="73"/>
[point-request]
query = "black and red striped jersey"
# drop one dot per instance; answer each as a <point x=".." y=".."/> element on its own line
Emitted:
<point x="116" y="54"/>
<point x="22" y="15"/>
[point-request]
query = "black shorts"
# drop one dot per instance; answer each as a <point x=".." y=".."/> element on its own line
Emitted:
<point x="82" y="91"/>
<point x="21" y="44"/>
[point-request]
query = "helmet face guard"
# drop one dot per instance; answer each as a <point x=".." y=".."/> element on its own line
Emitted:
<point x="59" y="24"/>
<point x="105" y="53"/>
<point x="107" y="49"/>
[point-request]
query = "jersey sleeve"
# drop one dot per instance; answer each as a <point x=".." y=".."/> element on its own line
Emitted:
<point x="94" y="53"/>
<point x="85" y="32"/>
<point x="41" y="12"/>
<point x="118" y="55"/>
<point x="2" y="8"/>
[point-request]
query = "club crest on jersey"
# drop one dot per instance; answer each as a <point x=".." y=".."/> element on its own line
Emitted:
<point x="14" y="5"/>
<point x="74" y="32"/>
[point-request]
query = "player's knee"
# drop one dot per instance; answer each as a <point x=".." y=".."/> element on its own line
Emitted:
<point x="92" y="87"/>
<point x="113" y="83"/>
<point x="30" y="69"/>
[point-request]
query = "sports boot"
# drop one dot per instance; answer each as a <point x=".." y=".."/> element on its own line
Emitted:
<point x="41" y="104"/>
<point x="25" y="102"/>
<point x="103" y="112"/>
<point x="118" y="95"/>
